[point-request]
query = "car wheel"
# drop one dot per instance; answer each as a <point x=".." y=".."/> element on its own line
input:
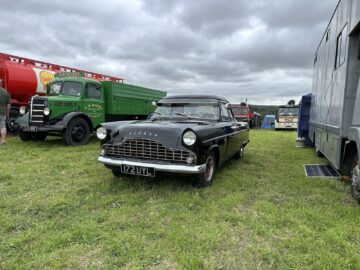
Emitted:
<point x="77" y="132"/>
<point x="355" y="183"/>
<point x="117" y="173"/>
<point x="239" y="155"/>
<point x="25" y="136"/>
<point x="206" y="178"/>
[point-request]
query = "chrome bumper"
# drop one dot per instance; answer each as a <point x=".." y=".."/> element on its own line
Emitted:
<point x="191" y="169"/>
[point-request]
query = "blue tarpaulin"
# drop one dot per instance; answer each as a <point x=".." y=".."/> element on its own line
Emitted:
<point x="269" y="121"/>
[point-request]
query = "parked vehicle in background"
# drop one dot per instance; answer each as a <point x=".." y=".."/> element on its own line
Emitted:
<point x="242" y="113"/>
<point x="334" y="124"/>
<point x="74" y="106"/>
<point x="186" y="134"/>
<point x="287" y="116"/>
<point x="24" y="78"/>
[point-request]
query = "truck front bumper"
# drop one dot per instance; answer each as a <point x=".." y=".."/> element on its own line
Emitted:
<point x="164" y="167"/>
<point x="53" y="128"/>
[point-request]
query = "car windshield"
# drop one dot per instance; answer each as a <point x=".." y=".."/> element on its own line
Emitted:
<point x="288" y="111"/>
<point x="239" y="111"/>
<point x="190" y="111"/>
<point x="71" y="89"/>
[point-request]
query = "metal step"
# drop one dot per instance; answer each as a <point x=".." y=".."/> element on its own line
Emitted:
<point x="320" y="170"/>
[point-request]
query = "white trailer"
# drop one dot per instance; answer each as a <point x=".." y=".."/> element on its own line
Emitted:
<point x="334" y="125"/>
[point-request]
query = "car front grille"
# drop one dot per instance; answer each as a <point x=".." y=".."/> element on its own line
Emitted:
<point x="146" y="149"/>
<point x="37" y="112"/>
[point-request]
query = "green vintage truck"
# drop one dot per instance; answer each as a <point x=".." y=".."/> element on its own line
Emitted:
<point x="74" y="106"/>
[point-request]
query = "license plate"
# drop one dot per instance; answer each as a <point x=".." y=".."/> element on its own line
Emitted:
<point x="138" y="170"/>
<point x="32" y="128"/>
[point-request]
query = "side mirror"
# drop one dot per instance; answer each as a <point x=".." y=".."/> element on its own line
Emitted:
<point x="154" y="103"/>
<point x="227" y="106"/>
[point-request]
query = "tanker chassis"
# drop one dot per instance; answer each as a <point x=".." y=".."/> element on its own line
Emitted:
<point x="75" y="106"/>
<point x="334" y="125"/>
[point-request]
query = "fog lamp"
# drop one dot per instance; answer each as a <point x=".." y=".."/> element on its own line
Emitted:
<point x="190" y="160"/>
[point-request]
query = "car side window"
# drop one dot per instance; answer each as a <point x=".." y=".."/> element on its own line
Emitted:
<point x="93" y="91"/>
<point x="225" y="114"/>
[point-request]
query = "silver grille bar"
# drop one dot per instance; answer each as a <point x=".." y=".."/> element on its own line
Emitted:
<point x="146" y="149"/>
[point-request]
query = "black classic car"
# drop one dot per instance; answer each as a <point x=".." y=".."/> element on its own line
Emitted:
<point x="186" y="134"/>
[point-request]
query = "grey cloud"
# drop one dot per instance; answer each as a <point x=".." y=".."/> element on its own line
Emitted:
<point x="258" y="49"/>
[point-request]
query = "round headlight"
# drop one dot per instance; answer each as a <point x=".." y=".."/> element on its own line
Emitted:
<point x="22" y="110"/>
<point x="189" y="138"/>
<point x="46" y="111"/>
<point x="101" y="133"/>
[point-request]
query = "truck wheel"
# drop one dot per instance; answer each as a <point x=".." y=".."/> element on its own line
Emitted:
<point x="206" y="178"/>
<point x="239" y="155"/>
<point x="77" y="132"/>
<point x="25" y="136"/>
<point x="355" y="183"/>
<point x="40" y="136"/>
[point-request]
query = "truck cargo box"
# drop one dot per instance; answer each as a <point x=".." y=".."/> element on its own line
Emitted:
<point x="121" y="98"/>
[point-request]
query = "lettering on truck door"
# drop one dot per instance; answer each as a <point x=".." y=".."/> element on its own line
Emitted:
<point x="93" y="103"/>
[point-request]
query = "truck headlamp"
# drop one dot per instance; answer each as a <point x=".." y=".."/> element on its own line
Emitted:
<point x="46" y="111"/>
<point x="22" y="110"/>
<point x="189" y="138"/>
<point x="101" y="133"/>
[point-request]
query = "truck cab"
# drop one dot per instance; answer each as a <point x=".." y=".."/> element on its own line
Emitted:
<point x="287" y="117"/>
<point x="74" y="106"/>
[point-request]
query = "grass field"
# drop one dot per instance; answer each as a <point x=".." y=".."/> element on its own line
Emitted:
<point x="60" y="209"/>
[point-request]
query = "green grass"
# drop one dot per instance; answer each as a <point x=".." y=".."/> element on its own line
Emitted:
<point x="61" y="209"/>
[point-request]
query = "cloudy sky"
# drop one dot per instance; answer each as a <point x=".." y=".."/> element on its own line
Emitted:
<point x="261" y="50"/>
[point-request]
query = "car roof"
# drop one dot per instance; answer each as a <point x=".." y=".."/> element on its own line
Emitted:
<point x="193" y="98"/>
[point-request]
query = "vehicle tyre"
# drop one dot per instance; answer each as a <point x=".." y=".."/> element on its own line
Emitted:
<point x="13" y="114"/>
<point x="355" y="183"/>
<point x="40" y="136"/>
<point x="77" y="132"/>
<point x="25" y="136"/>
<point x="239" y="155"/>
<point x="117" y="172"/>
<point x="206" y="178"/>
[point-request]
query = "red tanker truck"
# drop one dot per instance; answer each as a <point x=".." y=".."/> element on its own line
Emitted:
<point x="24" y="78"/>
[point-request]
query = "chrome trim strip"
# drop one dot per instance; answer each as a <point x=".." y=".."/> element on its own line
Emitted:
<point x="192" y="169"/>
<point x="223" y="136"/>
<point x="31" y="106"/>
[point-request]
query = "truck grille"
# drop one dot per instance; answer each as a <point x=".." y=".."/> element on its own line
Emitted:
<point x="37" y="112"/>
<point x="147" y="149"/>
